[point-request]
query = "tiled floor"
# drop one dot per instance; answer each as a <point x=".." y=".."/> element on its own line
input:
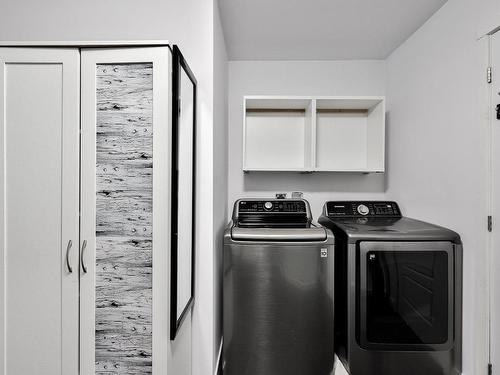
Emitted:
<point x="338" y="368"/>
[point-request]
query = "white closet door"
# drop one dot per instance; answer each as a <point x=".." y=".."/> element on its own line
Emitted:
<point x="39" y="198"/>
<point x="125" y="210"/>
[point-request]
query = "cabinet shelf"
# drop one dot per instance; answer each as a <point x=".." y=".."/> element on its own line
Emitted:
<point x="313" y="134"/>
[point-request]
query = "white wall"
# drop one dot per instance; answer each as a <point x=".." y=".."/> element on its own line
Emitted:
<point x="220" y="171"/>
<point x="93" y="19"/>
<point x="299" y="78"/>
<point x="190" y="24"/>
<point x="439" y="156"/>
<point x="437" y="108"/>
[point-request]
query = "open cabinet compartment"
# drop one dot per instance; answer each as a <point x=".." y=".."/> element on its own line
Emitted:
<point x="313" y="134"/>
<point x="277" y="134"/>
<point x="350" y="134"/>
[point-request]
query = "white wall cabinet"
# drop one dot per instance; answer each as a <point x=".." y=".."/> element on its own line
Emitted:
<point x="314" y="134"/>
<point x="84" y="230"/>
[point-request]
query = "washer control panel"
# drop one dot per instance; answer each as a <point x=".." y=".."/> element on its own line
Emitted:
<point x="272" y="206"/>
<point x="362" y="209"/>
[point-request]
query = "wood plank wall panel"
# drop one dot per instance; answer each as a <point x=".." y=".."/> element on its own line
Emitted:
<point x="124" y="215"/>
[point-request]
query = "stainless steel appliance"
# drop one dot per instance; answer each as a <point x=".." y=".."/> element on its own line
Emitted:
<point x="398" y="291"/>
<point x="278" y="290"/>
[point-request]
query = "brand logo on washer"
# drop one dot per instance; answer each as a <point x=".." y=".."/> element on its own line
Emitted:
<point x="324" y="253"/>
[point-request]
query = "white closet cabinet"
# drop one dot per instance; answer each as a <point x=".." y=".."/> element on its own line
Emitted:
<point x="39" y="152"/>
<point x="85" y="218"/>
<point x="124" y="236"/>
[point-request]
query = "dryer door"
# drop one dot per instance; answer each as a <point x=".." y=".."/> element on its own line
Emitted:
<point x="405" y="295"/>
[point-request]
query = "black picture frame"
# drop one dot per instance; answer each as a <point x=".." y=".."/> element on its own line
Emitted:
<point x="179" y="64"/>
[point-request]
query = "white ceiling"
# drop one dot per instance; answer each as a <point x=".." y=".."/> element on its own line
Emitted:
<point x="320" y="29"/>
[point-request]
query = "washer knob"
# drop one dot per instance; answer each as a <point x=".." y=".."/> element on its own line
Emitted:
<point x="363" y="210"/>
<point x="268" y="206"/>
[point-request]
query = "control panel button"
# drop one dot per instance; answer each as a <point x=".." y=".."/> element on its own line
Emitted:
<point x="268" y="205"/>
<point x="363" y="210"/>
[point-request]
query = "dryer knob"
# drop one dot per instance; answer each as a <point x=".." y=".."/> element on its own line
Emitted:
<point x="363" y="210"/>
<point x="268" y="205"/>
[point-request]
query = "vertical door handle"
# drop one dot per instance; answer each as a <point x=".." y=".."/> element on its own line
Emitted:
<point x="70" y="269"/>
<point x="84" y="245"/>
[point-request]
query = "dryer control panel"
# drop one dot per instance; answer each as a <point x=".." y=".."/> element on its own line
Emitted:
<point x="362" y="209"/>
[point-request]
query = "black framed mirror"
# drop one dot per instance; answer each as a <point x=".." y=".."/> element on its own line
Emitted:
<point x="183" y="191"/>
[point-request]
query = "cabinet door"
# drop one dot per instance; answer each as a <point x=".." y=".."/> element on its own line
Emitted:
<point x="406" y="296"/>
<point x="125" y="210"/>
<point x="39" y="188"/>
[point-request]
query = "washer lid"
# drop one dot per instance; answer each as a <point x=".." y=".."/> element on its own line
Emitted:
<point x="278" y="234"/>
<point x="383" y="229"/>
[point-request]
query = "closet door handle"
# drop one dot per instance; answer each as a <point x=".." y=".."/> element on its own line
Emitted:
<point x="84" y="245"/>
<point x="70" y="269"/>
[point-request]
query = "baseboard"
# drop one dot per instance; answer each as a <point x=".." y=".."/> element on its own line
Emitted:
<point x="218" y="367"/>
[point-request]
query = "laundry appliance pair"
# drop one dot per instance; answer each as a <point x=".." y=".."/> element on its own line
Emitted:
<point x="382" y="291"/>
